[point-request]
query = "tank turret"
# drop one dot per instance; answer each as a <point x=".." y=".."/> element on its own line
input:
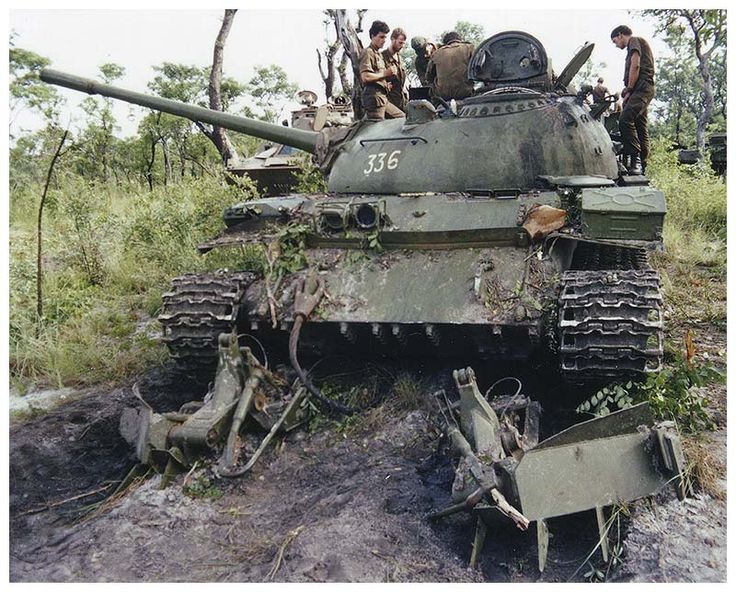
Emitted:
<point x="505" y="137"/>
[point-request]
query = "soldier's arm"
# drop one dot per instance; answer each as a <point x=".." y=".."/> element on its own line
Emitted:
<point x="370" y="76"/>
<point x="468" y="55"/>
<point x="368" y="73"/>
<point x="634" y="49"/>
<point x="634" y="71"/>
<point x="431" y="72"/>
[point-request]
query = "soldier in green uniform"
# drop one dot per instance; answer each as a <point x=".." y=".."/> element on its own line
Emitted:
<point x="424" y="51"/>
<point x="375" y="76"/>
<point x="447" y="71"/>
<point x="638" y="92"/>
<point x="397" y="94"/>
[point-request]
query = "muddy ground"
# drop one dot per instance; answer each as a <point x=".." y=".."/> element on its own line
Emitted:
<point x="339" y="502"/>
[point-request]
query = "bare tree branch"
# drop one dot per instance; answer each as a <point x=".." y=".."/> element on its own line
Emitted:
<point x="39" y="227"/>
<point x="218" y="135"/>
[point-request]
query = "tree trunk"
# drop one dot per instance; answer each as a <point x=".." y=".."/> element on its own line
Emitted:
<point x="678" y="118"/>
<point x="218" y="136"/>
<point x="707" y="112"/>
<point x="167" y="161"/>
<point x="353" y="47"/>
<point x="328" y="74"/>
<point x="704" y="68"/>
<point x="39" y="227"/>
<point x="347" y="87"/>
<point x="148" y="173"/>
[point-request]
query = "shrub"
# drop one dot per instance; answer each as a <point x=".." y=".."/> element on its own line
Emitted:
<point x="108" y="255"/>
<point x="696" y="196"/>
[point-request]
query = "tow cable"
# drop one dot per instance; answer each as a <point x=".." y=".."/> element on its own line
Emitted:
<point x="305" y="300"/>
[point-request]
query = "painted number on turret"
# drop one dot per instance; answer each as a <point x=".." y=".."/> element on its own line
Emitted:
<point x="379" y="162"/>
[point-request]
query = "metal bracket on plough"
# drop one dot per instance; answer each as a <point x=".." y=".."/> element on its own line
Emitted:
<point x="502" y="468"/>
<point x="170" y="442"/>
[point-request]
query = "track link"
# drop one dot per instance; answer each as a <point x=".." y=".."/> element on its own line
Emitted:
<point x="610" y="324"/>
<point x="198" y="308"/>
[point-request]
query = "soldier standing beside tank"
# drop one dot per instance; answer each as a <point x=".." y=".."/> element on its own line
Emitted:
<point x="397" y="95"/>
<point x="375" y="75"/>
<point x="447" y="71"/>
<point x="424" y="51"/>
<point x="599" y="92"/>
<point x="638" y="92"/>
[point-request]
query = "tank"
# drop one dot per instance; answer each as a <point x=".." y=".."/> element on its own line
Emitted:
<point x="275" y="167"/>
<point x="501" y="226"/>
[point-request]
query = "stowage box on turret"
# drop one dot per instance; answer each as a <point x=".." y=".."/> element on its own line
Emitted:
<point x="498" y="226"/>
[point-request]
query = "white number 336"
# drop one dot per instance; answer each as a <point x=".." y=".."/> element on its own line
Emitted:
<point x="377" y="162"/>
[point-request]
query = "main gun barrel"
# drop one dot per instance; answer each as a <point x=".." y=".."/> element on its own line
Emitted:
<point x="302" y="139"/>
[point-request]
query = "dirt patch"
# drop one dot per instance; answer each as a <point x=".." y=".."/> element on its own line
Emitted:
<point x="333" y="505"/>
<point x="678" y="542"/>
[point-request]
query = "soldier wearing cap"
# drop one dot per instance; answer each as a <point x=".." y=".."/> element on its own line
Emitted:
<point x="447" y="71"/>
<point x="375" y="75"/>
<point x="424" y="51"/>
<point x="638" y="92"/>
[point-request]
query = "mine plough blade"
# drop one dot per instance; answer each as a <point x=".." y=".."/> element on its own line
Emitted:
<point x="597" y="463"/>
<point x="244" y="393"/>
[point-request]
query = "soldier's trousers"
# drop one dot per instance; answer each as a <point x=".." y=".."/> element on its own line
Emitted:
<point x="633" y="124"/>
<point x="377" y="106"/>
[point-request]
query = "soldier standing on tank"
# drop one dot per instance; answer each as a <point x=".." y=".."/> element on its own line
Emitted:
<point x="397" y="94"/>
<point x="638" y="92"/>
<point x="424" y="51"/>
<point x="374" y="75"/>
<point x="447" y="71"/>
<point x="599" y="92"/>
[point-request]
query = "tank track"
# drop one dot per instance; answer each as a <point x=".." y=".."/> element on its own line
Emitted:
<point x="198" y="308"/>
<point x="610" y="324"/>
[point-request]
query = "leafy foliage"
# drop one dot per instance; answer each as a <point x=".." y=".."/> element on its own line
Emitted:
<point x="696" y="196"/>
<point x="291" y="241"/>
<point x="472" y="32"/>
<point x="270" y="86"/>
<point x="203" y="488"/>
<point x="310" y="179"/>
<point x="26" y="89"/>
<point x="611" y="398"/>
<point x="671" y="393"/>
<point x="589" y="75"/>
<point x="697" y="36"/>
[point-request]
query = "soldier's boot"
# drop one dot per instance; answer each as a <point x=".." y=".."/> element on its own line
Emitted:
<point x="633" y="164"/>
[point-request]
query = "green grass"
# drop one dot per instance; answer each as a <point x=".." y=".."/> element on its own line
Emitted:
<point x="696" y="196"/>
<point x="108" y="255"/>
<point x="693" y="264"/>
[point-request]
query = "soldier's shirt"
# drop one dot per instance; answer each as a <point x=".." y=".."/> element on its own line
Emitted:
<point x="371" y="61"/>
<point x="397" y="94"/>
<point x="448" y="70"/>
<point x="599" y="93"/>
<point x="646" y="62"/>
<point x="421" y="63"/>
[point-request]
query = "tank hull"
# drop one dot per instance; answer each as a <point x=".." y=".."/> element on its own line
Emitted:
<point x="449" y="274"/>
